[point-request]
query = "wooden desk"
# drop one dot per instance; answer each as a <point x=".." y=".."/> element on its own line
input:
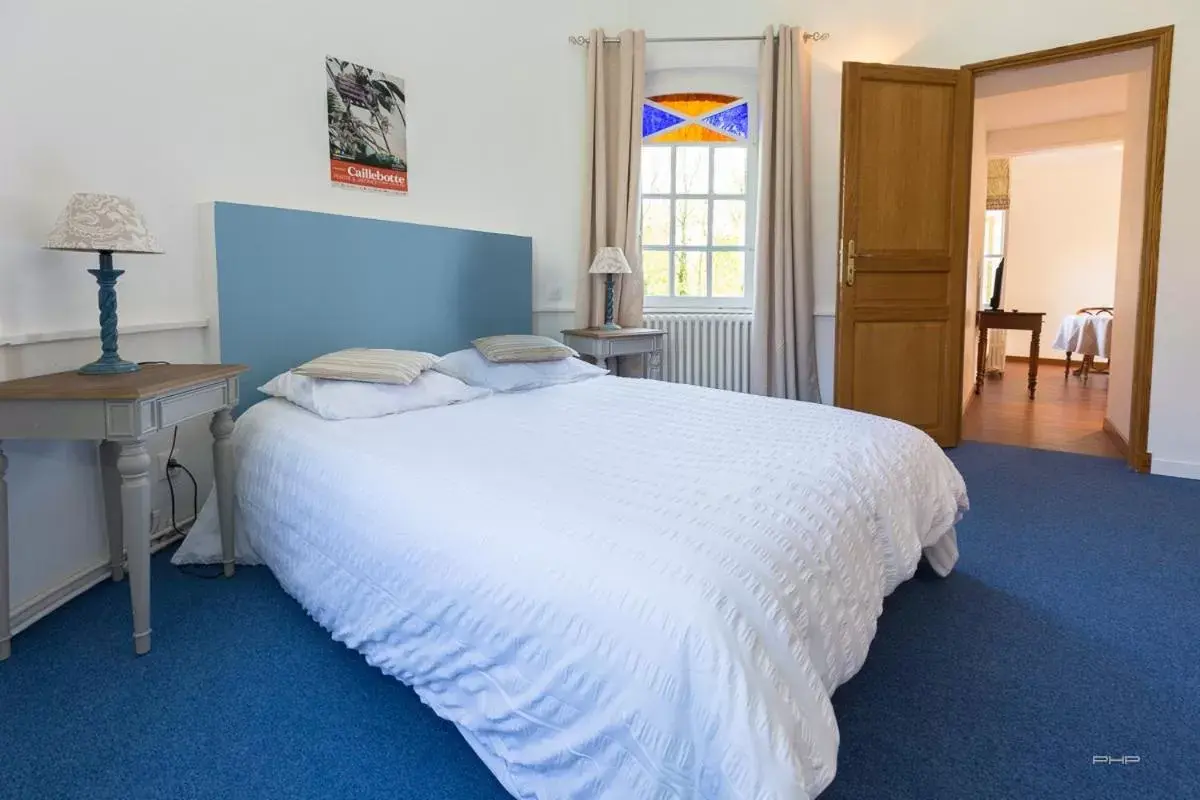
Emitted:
<point x="601" y="345"/>
<point x="1009" y="321"/>
<point x="121" y="411"/>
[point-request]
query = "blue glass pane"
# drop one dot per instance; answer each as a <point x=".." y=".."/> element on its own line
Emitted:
<point x="734" y="120"/>
<point x="654" y="119"/>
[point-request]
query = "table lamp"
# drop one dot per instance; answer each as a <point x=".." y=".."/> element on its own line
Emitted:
<point x="609" y="261"/>
<point x="104" y="224"/>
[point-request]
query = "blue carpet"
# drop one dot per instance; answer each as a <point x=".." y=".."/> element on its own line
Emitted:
<point x="1070" y="629"/>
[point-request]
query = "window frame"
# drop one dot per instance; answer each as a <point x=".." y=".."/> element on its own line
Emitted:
<point x="730" y="82"/>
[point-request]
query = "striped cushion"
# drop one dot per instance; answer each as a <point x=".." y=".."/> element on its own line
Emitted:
<point x="369" y="366"/>
<point x="515" y="348"/>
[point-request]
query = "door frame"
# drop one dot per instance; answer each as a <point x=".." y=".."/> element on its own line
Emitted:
<point x="1162" y="41"/>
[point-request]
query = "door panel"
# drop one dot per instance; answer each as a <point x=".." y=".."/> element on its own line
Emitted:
<point x="906" y="156"/>
<point x="891" y="354"/>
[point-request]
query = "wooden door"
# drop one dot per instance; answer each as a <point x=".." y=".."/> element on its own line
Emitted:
<point x="906" y="164"/>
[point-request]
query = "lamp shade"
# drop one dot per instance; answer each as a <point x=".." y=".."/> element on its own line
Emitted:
<point x="101" y="223"/>
<point x="610" y="260"/>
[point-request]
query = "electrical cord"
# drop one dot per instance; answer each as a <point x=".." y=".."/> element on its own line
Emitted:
<point x="187" y="569"/>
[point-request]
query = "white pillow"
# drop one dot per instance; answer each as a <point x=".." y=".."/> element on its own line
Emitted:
<point x="469" y="366"/>
<point x="339" y="399"/>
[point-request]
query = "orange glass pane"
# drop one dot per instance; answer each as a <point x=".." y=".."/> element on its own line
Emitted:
<point x="694" y="104"/>
<point x="690" y="133"/>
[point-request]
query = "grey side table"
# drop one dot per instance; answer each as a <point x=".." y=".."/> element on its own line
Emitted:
<point x="601" y="344"/>
<point x="121" y="412"/>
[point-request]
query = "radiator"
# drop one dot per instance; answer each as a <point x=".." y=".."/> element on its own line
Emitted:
<point x="997" y="350"/>
<point x="706" y="349"/>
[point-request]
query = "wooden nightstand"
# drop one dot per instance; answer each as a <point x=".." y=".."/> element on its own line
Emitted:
<point x="602" y="344"/>
<point x="121" y="411"/>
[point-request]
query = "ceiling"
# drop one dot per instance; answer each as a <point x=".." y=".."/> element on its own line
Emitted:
<point x="1039" y="106"/>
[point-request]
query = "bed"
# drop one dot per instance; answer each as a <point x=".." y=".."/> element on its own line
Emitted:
<point x="645" y="604"/>
<point x="614" y="588"/>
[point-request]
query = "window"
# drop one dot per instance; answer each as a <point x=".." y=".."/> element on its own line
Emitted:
<point x="697" y="194"/>
<point x="995" y="231"/>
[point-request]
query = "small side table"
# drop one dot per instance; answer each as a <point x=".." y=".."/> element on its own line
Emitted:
<point x="602" y="344"/>
<point x="1031" y="321"/>
<point x="122" y="411"/>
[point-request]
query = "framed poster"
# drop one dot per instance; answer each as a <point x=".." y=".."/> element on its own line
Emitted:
<point x="368" y="141"/>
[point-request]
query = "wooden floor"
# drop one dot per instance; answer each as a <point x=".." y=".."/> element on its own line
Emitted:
<point x="1065" y="416"/>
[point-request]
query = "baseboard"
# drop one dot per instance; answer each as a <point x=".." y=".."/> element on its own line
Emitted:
<point x="40" y="605"/>
<point x="1115" y="435"/>
<point x="1177" y="469"/>
<point x="1059" y="362"/>
<point x="971" y="398"/>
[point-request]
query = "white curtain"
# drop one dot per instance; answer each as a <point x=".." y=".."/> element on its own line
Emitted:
<point x="616" y="81"/>
<point x="783" y="355"/>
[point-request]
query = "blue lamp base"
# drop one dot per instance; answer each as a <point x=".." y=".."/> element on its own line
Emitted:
<point x="108" y="366"/>
<point x="609" y="325"/>
<point x="110" y="361"/>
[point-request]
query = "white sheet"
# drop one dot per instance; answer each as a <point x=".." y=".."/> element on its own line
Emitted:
<point x="616" y="588"/>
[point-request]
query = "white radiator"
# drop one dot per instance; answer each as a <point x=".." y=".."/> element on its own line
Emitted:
<point x="706" y="349"/>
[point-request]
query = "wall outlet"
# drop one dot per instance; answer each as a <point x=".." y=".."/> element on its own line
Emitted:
<point x="160" y="462"/>
<point x="160" y="465"/>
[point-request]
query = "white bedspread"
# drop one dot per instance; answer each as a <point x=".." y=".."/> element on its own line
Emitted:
<point x="617" y="588"/>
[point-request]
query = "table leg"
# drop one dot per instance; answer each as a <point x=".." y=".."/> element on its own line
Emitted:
<point x="5" y="630"/>
<point x="1034" y="347"/>
<point x="1067" y="374"/>
<point x="133" y="464"/>
<point x="110" y="479"/>
<point x="981" y="359"/>
<point x="601" y="362"/>
<point x="222" y="427"/>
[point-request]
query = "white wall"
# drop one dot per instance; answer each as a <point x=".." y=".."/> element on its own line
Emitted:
<point x="979" y="174"/>
<point x="176" y="104"/>
<point x="1062" y="235"/>
<point x="1008" y="142"/>
<point x="1129" y="253"/>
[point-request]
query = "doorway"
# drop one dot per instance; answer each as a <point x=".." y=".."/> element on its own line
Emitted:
<point x="1080" y="132"/>
<point x="912" y="270"/>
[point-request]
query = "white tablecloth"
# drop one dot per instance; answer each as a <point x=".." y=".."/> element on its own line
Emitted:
<point x="1085" y="334"/>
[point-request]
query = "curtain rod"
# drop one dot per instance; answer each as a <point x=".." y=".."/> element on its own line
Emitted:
<point x="808" y="37"/>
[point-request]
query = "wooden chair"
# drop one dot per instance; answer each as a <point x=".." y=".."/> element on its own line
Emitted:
<point x="1089" y="362"/>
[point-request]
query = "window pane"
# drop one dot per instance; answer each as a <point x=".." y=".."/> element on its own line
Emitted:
<point x="993" y="233"/>
<point x="691" y="170"/>
<point x="656" y="265"/>
<point x="729" y="274"/>
<point x="656" y="170"/>
<point x="729" y="223"/>
<point x="729" y="170"/>
<point x="691" y="223"/>
<point x="656" y="221"/>
<point x="690" y="274"/>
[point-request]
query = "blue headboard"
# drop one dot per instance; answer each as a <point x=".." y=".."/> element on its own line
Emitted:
<point x="292" y="285"/>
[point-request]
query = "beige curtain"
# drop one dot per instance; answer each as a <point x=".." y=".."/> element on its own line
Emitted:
<point x="616" y="81"/>
<point x="783" y="355"/>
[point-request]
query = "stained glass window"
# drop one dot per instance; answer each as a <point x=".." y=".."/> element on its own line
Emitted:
<point x="695" y="117"/>
<point x="655" y="119"/>
<point x="734" y="120"/>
